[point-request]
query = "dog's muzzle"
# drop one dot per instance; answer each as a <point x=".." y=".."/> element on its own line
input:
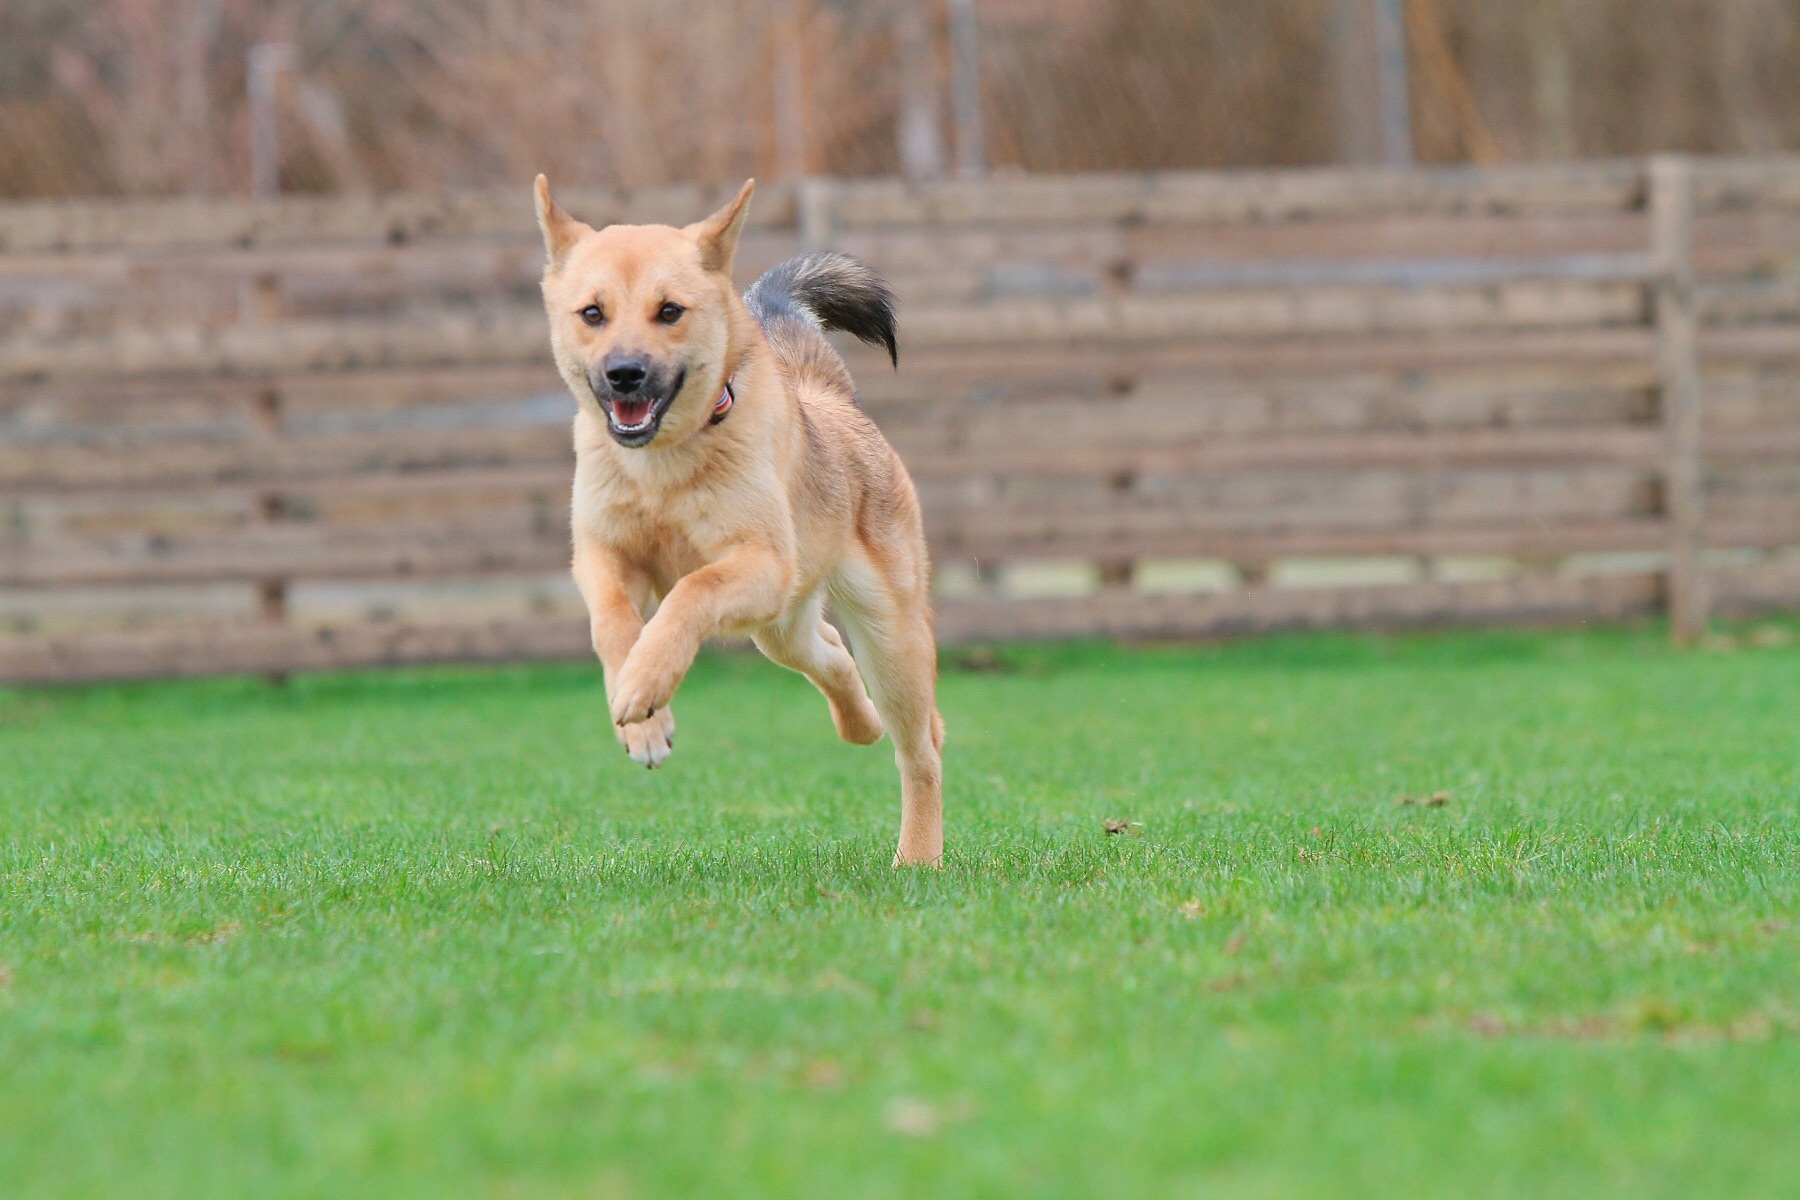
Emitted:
<point x="634" y="417"/>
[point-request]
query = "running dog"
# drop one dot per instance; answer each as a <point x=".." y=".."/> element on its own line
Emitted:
<point x="727" y="482"/>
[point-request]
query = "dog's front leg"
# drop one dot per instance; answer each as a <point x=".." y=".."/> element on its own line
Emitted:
<point x="746" y="588"/>
<point x="616" y="596"/>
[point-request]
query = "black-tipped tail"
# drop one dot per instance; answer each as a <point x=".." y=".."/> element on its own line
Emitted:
<point x="830" y="291"/>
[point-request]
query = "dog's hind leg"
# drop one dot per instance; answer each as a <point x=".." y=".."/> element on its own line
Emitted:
<point x="888" y="612"/>
<point x="803" y="641"/>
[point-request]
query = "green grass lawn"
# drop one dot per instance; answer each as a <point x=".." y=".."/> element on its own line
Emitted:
<point x="431" y="934"/>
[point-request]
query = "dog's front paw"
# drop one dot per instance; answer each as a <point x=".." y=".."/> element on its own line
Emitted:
<point x="649" y="742"/>
<point x="644" y="688"/>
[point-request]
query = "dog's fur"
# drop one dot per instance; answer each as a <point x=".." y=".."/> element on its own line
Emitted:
<point x="750" y="525"/>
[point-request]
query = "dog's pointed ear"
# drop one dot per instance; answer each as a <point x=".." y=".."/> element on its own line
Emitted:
<point x="718" y="234"/>
<point x="560" y="230"/>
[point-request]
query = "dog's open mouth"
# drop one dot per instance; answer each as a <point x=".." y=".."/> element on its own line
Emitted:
<point x="634" y="420"/>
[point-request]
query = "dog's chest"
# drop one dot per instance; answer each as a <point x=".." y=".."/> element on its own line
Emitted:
<point x="653" y="531"/>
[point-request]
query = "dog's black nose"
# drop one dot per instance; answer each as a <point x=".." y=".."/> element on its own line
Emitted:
<point x="626" y="375"/>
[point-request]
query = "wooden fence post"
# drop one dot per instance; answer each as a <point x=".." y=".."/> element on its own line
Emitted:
<point x="1396" y="90"/>
<point x="965" y="90"/>
<point x="272" y="509"/>
<point x="816" y="202"/>
<point x="1678" y="369"/>
<point x="789" y="29"/>
<point x="920" y="130"/>
<point x="266" y="62"/>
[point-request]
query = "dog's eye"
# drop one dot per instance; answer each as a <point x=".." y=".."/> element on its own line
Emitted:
<point x="668" y="314"/>
<point x="592" y="315"/>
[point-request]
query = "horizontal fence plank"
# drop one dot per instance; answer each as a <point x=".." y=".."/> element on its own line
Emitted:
<point x="173" y="432"/>
<point x="996" y="260"/>
<point x="52" y="295"/>
<point x="262" y="649"/>
<point x="1400" y="273"/>
<point x="1125" y="614"/>
<point x="1418" y="350"/>
<point x="203" y="407"/>
<point x="46" y="296"/>
<point x="428" y="472"/>
<point x="1767" y="586"/>
<point x="1748" y="301"/>
<point x="248" y="648"/>
<point x="296" y="552"/>
<point x="1173" y="197"/>
<point x="1336" y="451"/>
<point x="1240" y="196"/>
<point x="516" y="334"/>
<point x="70" y="226"/>
<point x="1174" y="387"/>
<point x="540" y="458"/>
<point x="518" y="545"/>
<point x="1744" y="445"/>
<point x="1262" y="546"/>
<point x="1361" y="238"/>
<point x="1485" y="330"/>
<point x="1766" y="181"/>
<point x="1766" y="343"/>
<point x="1283" y="312"/>
<point x="1044" y="515"/>
<point x="1074" y="408"/>
<point x="1745" y="243"/>
<point x="44" y="467"/>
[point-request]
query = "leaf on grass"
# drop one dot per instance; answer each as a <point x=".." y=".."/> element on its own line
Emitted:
<point x="1115" y="827"/>
<point x="1435" y="800"/>
<point x="913" y="1118"/>
<point x="219" y="936"/>
<point x="837" y="981"/>
<point x="1487" y="1025"/>
<point x="305" y="1052"/>
<point x="916" y="1118"/>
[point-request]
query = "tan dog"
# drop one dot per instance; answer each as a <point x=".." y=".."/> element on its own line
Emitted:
<point x="724" y="469"/>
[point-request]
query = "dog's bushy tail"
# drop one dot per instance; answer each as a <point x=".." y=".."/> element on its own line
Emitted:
<point x="829" y="291"/>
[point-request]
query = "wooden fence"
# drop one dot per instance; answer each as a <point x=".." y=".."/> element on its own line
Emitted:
<point x="319" y="432"/>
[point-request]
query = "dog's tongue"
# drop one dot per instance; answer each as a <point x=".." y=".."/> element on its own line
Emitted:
<point x="631" y="412"/>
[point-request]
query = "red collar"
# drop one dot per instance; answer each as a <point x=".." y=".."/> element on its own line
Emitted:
<point x="722" y="406"/>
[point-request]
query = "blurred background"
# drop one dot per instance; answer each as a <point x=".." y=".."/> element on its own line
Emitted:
<point x="1218" y="315"/>
<point x="169" y="97"/>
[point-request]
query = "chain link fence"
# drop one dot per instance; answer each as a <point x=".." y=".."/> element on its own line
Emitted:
<point x="147" y="97"/>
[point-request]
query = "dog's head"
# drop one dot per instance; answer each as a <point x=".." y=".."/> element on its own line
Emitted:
<point x="641" y="316"/>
